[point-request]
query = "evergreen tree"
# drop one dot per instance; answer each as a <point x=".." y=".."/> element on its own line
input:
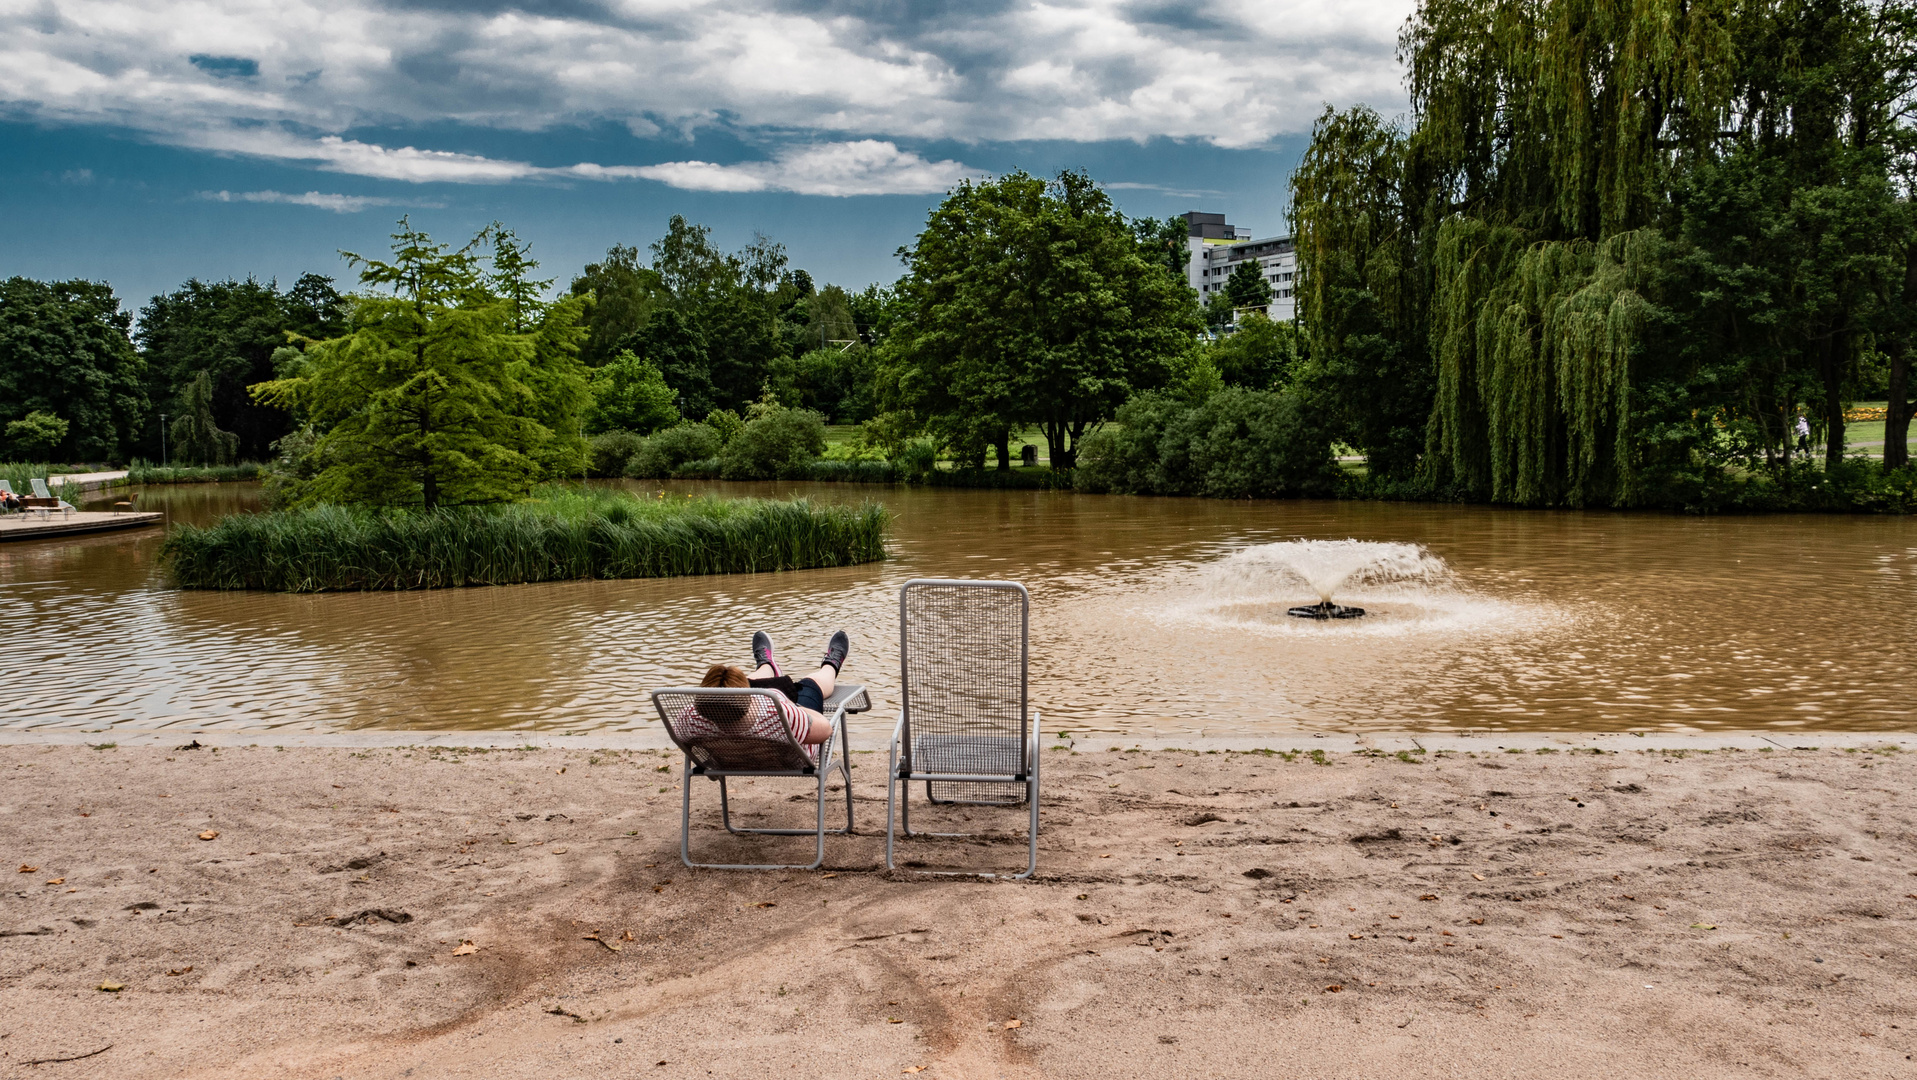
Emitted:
<point x="431" y="398"/>
<point x="197" y="440"/>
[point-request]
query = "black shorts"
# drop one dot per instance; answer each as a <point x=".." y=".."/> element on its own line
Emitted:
<point x="805" y="693"/>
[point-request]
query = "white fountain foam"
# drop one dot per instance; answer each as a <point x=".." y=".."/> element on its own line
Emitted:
<point x="1404" y="589"/>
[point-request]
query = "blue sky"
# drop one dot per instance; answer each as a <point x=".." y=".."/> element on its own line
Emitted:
<point x="144" y="143"/>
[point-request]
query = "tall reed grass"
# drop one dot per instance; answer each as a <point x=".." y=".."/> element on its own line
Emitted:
<point x="561" y="535"/>
<point x="20" y="474"/>
<point x="141" y="472"/>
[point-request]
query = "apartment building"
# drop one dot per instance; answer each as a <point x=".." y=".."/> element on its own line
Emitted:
<point x="1218" y="248"/>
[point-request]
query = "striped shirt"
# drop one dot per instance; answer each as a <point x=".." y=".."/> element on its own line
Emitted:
<point x="754" y="720"/>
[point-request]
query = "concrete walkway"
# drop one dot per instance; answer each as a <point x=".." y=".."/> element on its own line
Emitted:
<point x="874" y="734"/>
<point x="90" y="479"/>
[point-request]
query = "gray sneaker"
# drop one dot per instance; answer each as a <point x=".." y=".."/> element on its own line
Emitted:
<point x="761" y="648"/>
<point x="836" y="649"/>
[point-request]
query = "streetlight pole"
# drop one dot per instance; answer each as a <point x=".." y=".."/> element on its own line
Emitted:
<point x="163" y="457"/>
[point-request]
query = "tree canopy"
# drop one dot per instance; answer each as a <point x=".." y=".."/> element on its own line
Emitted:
<point x="1617" y="245"/>
<point x="65" y="353"/>
<point x="1034" y="301"/>
<point x="445" y="389"/>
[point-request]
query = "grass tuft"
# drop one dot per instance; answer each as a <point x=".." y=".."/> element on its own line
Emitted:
<point x="563" y="535"/>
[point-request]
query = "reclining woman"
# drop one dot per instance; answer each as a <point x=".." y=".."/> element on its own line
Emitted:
<point x="802" y="703"/>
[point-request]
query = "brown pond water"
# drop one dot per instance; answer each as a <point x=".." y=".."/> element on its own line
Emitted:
<point x="1149" y="616"/>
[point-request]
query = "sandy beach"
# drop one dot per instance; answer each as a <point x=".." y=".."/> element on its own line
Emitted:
<point x="403" y="912"/>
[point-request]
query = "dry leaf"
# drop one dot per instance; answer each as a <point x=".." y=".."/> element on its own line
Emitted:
<point x="1429" y="896"/>
<point x="1104" y="856"/>
<point x="111" y="987"/>
<point x="828" y="875"/>
<point x="893" y="1020"/>
<point x="767" y="903"/>
<point x="1356" y="937"/>
<point x="1703" y="926"/>
<point x="1480" y="877"/>
<point x="1010" y="1024"/>
<point x="209" y="835"/>
<point x="180" y="971"/>
<point x="466" y="948"/>
<point x="58" y="881"/>
<point x="25" y="869"/>
<point x="558" y="851"/>
<point x="1334" y="989"/>
<point x="627" y="936"/>
<point x="594" y="936"/>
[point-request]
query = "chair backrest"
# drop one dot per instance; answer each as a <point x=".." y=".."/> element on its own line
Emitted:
<point x="963" y="648"/>
<point x="725" y="729"/>
<point x="40" y="488"/>
<point x="6" y="486"/>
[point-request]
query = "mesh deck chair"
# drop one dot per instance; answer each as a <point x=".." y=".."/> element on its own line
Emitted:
<point x="964" y="728"/>
<point x="741" y="732"/>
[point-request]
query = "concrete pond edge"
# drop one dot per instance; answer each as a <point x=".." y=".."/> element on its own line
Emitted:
<point x="875" y="739"/>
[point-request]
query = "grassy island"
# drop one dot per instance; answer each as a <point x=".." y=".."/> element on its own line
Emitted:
<point x="561" y="535"/>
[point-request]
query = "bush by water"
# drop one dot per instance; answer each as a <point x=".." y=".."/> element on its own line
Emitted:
<point x="563" y="535"/>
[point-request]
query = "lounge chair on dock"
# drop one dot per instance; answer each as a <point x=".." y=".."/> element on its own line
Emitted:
<point x="43" y="497"/>
<point x="727" y="732"/>
<point x="964" y="727"/>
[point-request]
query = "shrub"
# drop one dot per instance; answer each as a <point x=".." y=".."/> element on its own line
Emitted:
<point x="629" y="392"/>
<point x="726" y="423"/>
<point x="612" y="450"/>
<point x="779" y="443"/>
<point x="662" y="453"/>
<point x="1237" y="444"/>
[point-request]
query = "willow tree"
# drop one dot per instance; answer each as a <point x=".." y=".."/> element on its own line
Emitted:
<point x="1618" y="240"/>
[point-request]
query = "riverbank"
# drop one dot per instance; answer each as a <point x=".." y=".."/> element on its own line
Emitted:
<point x="1492" y="914"/>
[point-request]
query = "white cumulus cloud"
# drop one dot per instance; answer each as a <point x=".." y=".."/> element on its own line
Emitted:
<point x="846" y="81"/>
<point x="865" y="167"/>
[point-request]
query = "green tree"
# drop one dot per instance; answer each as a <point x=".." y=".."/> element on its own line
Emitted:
<point x="1248" y="288"/>
<point x="630" y="394"/>
<point x="64" y="350"/>
<point x="430" y="398"/>
<point x="623" y="296"/>
<point x="1259" y="355"/>
<point x="731" y="300"/>
<point x="672" y="344"/>
<point x="228" y="331"/>
<point x="36" y="435"/>
<point x="197" y="439"/>
<point x="1169" y="239"/>
<point x="1032" y="301"/>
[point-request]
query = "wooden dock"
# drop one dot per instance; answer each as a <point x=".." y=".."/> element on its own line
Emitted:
<point x="32" y="525"/>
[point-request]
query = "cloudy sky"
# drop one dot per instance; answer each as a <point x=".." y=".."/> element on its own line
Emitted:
<point x="144" y="142"/>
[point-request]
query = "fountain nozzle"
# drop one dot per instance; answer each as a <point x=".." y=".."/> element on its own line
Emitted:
<point x="1325" y="610"/>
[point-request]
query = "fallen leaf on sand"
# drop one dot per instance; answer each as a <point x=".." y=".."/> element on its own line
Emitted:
<point x="911" y="1069"/>
<point x="1010" y="1024"/>
<point x="1334" y="988"/>
<point x="180" y="971"/>
<point x="893" y="1020"/>
<point x="558" y="851"/>
<point x="828" y="875"/>
<point x="767" y="903"/>
<point x="1480" y="877"/>
<point x="466" y="948"/>
<point x="1429" y="896"/>
<point x="1703" y="926"/>
<point x="111" y="987"/>
<point x="57" y="881"/>
<point x="594" y="936"/>
<point x="1104" y="856"/>
<point x="1356" y="937"/>
<point x="627" y="936"/>
<point x="209" y="835"/>
<point x="25" y="869"/>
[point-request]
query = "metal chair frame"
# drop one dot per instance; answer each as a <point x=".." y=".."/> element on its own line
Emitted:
<point x="830" y="758"/>
<point x="899" y="777"/>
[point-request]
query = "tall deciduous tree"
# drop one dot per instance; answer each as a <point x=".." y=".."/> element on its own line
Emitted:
<point x="431" y="398"/>
<point x="64" y="351"/>
<point x="1033" y="302"/>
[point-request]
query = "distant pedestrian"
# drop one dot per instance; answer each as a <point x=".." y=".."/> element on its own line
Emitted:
<point x="1803" y="434"/>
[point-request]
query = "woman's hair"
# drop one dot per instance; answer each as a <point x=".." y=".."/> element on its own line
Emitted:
<point x="724" y="675"/>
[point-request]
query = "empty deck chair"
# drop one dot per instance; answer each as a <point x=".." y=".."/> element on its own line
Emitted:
<point x="965" y="728"/>
<point x="741" y="732"/>
<point x="41" y="497"/>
